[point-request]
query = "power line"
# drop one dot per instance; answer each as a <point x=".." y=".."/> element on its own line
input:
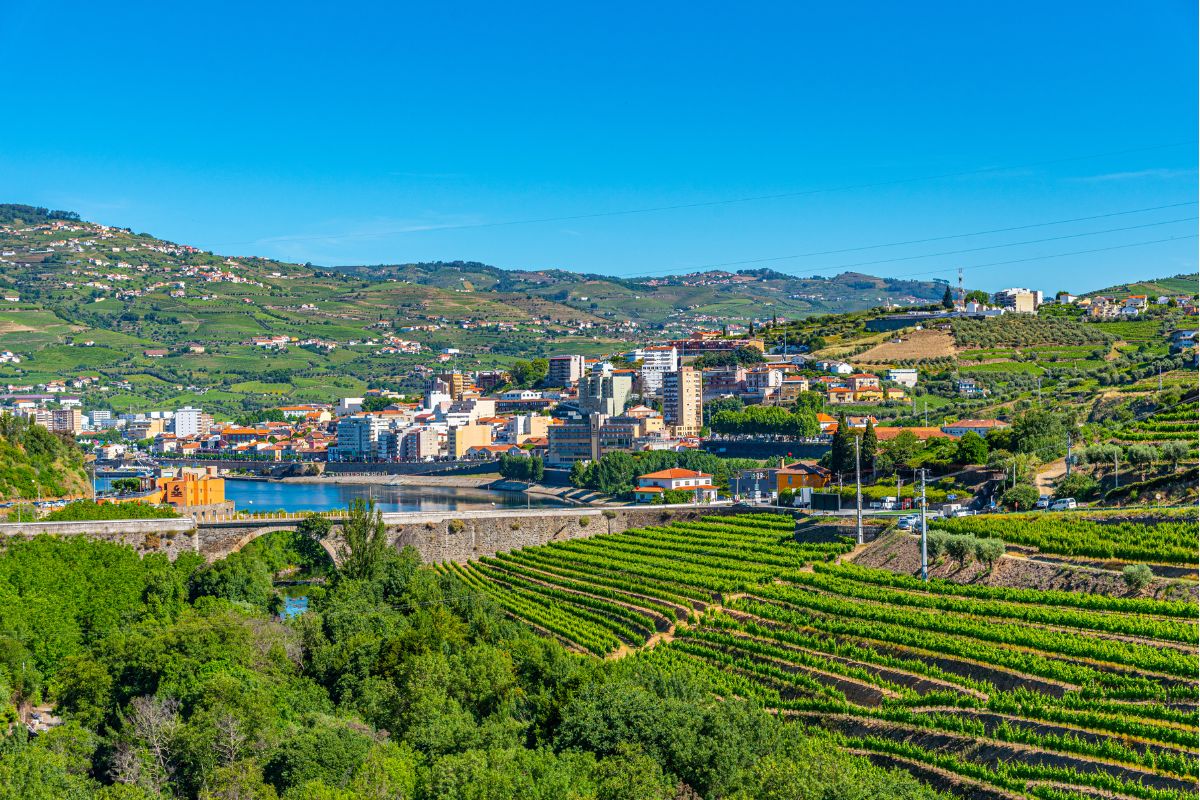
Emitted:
<point x="1054" y="255"/>
<point x="686" y="270"/>
<point x="710" y="203"/>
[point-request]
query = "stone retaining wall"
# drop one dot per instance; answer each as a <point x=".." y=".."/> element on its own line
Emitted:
<point x="438" y="536"/>
<point x="464" y="535"/>
<point x="169" y="536"/>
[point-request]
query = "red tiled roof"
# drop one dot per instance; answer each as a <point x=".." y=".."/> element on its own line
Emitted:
<point x="673" y="473"/>
<point x="885" y="434"/>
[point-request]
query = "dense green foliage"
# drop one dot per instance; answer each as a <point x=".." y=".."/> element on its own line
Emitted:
<point x="37" y="463"/>
<point x="89" y="510"/>
<point x="522" y="468"/>
<point x="743" y="356"/>
<point x="616" y="473"/>
<point x="408" y="685"/>
<point x="888" y="663"/>
<point x="765" y="421"/>
<point x="1171" y="538"/>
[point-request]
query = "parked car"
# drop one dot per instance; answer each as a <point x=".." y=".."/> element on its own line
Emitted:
<point x="1043" y="502"/>
<point x="908" y="523"/>
<point x="1065" y="504"/>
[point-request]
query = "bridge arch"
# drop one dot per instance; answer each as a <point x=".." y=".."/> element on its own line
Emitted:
<point x="327" y="544"/>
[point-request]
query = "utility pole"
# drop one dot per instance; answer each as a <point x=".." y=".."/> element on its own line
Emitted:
<point x="858" y="489"/>
<point x="1116" y="470"/>
<point x="1068" y="454"/>
<point x="1160" y="377"/>
<point x="924" y="535"/>
<point x="926" y="413"/>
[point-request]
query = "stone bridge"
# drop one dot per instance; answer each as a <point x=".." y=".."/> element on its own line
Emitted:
<point x="437" y="536"/>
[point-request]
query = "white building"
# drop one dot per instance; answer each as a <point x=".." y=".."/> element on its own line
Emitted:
<point x="191" y="422"/>
<point x="358" y="437"/>
<point x="656" y="361"/>
<point x="904" y="377"/>
<point x="349" y="405"/>
<point x="565" y="370"/>
<point x="652" y="485"/>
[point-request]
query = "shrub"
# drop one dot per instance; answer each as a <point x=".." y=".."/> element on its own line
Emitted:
<point x="935" y="545"/>
<point x="456" y="526"/>
<point x="86" y="510"/>
<point x="1077" y="485"/>
<point x="960" y="547"/>
<point x="1021" y="497"/>
<point x="1137" y="576"/>
<point x="989" y="551"/>
<point x="585" y="521"/>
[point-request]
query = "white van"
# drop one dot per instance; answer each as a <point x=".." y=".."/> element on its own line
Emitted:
<point x="1065" y="504"/>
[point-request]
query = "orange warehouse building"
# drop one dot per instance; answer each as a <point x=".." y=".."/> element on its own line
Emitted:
<point x="188" y="490"/>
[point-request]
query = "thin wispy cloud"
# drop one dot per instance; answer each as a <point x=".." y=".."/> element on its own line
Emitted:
<point x="369" y="231"/>
<point x="1158" y="173"/>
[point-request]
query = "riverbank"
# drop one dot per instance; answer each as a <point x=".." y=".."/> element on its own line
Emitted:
<point x="565" y="495"/>
<point x="390" y="493"/>
<point x="462" y="481"/>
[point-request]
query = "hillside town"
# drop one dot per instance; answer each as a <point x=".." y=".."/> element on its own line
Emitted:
<point x="573" y="409"/>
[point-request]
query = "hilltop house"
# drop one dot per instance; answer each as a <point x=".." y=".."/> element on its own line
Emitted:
<point x="652" y="485"/>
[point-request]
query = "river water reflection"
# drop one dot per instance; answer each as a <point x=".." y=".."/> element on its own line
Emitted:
<point x="276" y="496"/>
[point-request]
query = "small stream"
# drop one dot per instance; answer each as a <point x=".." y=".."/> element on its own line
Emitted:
<point x="295" y="598"/>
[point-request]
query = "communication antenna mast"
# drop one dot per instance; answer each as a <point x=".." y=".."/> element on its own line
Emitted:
<point x="962" y="294"/>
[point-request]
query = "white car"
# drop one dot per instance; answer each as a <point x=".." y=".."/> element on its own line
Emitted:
<point x="1065" y="504"/>
<point x="1043" y="502"/>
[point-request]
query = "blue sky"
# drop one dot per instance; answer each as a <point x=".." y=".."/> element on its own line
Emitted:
<point x="393" y="132"/>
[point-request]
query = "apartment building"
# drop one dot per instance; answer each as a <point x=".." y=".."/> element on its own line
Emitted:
<point x="605" y="392"/>
<point x="565" y="370"/>
<point x="192" y="422"/>
<point x="683" y="401"/>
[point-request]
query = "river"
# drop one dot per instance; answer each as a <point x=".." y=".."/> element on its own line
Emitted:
<point x="276" y="496"/>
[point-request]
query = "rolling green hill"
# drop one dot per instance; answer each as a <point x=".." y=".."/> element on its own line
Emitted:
<point x="1176" y="284"/>
<point x="83" y="299"/>
<point x="37" y="463"/>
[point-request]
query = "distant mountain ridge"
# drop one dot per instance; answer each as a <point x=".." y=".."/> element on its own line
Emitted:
<point x="741" y="295"/>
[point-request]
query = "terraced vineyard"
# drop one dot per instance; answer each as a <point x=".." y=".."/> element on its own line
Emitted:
<point x="1168" y="537"/>
<point x="1176" y="425"/>
<point x="992" y="692"/>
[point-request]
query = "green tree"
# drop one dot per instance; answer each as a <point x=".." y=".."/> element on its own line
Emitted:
<point x="971" y="449"/>
<point x="126" y="485"/>
<point x="376" y="403"/>
<point x="1021" y="497"/>
<point x="1173" y="453"/>
<point x="630" y="774"/>
<point x="711" y="407"/>
<point x="1141" y="456"/>
<point x="870" y="447"/>
<point x="989" y="551"/>
<point x="580" y="475"/>
<point x="362" y="545"/>
<point x="1137" y="576"/>
<point x="897" y="453"/>
<point x="947" y="298"/>
<point x="1040" y="432"/>
<point x="1076" y="485"/>
<point x="239" y="578"/>
<point x="841" y="450"/>
<point x="809" y="401"/>
<point x="83" y="690"/>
